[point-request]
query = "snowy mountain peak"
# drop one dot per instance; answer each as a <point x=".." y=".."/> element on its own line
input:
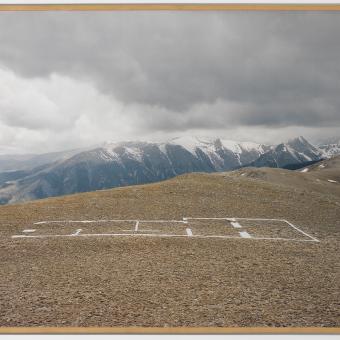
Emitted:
<point x="303" y="147"/>
<point x="191" y="143"/>
<point x="299" y="141"/>
<point x="290" y="154"/>
<point x="216" y="154"/>
<point x="302" y="139"/>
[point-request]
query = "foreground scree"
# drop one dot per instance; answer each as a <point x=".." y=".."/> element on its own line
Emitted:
<point x="247" y="248"/>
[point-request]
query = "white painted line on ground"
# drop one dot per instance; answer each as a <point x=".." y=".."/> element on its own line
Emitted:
<point x="185" y="221"/>
<point x="208" y="218"/>
<point x="244" y="234"/>
<point x="102" y="221"/>
<point x="161" y="221"/>
<point x="41" y="236"/>
<point x="77" y="232"/>
<point x="260" y="219"/>
<point x="82" y="221"/>
<point x="29" y="230"/>
<point x="85" y="221"/>
<point x="139" y="230"/>
<point x="236" y="224"/>
<point x="301" y="231"/>
<point x="163" y="235"/>
<point x="233" y="219"/>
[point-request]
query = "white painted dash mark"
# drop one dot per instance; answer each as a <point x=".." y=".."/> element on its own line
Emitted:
<point x="189" y="232"/>
<point x="77" y="232"/>
<point x="136" y="226"/>
<point x="244" y="234"/>
<point x="236" y="224"/>
<point x="29" y="230"/>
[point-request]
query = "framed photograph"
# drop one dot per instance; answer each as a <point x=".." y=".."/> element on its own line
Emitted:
<point x="170" y="168"/>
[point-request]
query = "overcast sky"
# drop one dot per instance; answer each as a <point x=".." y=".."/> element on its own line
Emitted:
<point x="73" y="79"/>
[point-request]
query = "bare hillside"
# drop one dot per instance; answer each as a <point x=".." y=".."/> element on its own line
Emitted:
<point x="141" y="255"/>
<point x="320" y="178"/>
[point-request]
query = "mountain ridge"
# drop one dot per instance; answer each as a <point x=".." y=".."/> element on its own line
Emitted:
<point x="114" y="164"/>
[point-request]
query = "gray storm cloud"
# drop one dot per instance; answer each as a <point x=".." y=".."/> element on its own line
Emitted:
<point x="168" y="73"/>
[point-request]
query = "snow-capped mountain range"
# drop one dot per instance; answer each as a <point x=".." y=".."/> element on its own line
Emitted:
<point x="331" y="149"/>
<point x="128" y="163"/>
<point x="217" y="154"/>
<point x="290" y="155"/>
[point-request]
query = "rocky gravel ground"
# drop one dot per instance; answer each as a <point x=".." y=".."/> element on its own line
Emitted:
<point x="170" y="282"/>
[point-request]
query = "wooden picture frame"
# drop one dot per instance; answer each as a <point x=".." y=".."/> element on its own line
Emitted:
<point x="40" y="328"/>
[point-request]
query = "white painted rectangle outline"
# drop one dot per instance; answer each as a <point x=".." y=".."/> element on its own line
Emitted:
<point x="185" y="220"/>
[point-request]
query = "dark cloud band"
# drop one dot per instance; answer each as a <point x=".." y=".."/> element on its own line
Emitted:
<point x="183" y="71"/>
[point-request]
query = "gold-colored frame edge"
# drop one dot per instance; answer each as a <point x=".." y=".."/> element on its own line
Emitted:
<point x="169" y="330"/>
<point x="170" y="7"/>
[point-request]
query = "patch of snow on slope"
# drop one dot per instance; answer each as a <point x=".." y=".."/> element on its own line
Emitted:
<point x="305" y="156"/>
<point x="191" y="143"/>
<point x="108" y="152"/>
<point x="239" y="147"/>
<point x="330" y="150"/>
<point x="134" y="153"/>
<point x="296" y="154"/>
<point x="231" y="145"/>
<point x="103" y="155"/>
<point x="287" y="148"/>
<point x="332" y="181"/>
<point x="210" y="151"/>
<point x="250" y="146"/>
<point x="162" y="148"/>
<point x="304" y="170"/>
